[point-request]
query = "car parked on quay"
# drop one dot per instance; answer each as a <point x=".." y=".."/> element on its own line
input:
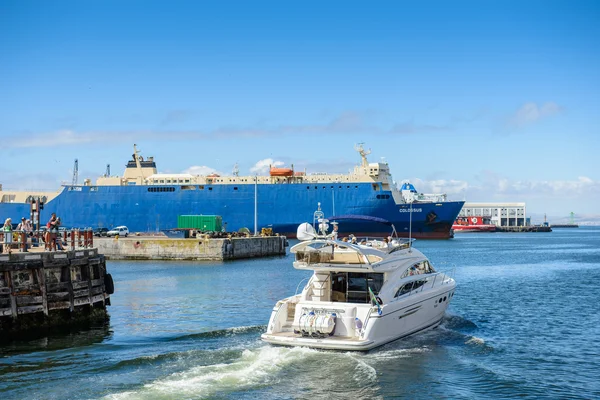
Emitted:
<point x="119" y="230"/>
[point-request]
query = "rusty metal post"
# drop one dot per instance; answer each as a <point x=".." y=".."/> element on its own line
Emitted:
<point x="91" y="238"/>
<point x="72" y="239"/>
<point x="79" y="244"/>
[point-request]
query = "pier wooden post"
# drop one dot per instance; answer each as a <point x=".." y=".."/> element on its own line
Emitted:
<point x="41" y="275"/>
<point x="13" y="299"/>
<point x="90" y="276"/>
<point x="70" y="289"/>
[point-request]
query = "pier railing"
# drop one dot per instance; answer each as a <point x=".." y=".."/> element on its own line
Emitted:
<point x="24" y="241"/>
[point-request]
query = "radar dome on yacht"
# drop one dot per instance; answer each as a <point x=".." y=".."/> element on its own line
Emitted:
<point x="305" y="232"/>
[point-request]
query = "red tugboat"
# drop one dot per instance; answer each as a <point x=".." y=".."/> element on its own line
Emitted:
<point x="473" y="224"/>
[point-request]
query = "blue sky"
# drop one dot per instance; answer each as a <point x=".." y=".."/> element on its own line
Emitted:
<point x="486" y="101"/>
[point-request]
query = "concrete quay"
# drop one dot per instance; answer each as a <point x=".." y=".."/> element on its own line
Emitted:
<point x="198" y="249"/>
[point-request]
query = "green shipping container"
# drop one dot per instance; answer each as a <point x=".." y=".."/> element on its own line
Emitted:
<point x="200" y="222"/>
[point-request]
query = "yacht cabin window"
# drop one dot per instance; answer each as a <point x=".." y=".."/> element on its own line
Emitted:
<point x="353" y="287"/>
<point x="420" y="268"/>
<point x="409" y="287"/>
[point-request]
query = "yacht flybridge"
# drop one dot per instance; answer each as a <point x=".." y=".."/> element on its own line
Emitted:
<point x="362" y="294"/>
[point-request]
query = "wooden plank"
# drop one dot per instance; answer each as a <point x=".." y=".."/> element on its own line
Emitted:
<point x="95" y="261"/>
<point x="98" y="298"/>
<point x="60" y="296"/>
<point x="97" y="282"/>
<point x="59" y="305"/>
<point x="80" y="284"/>
<point x="30" y="309"/>
<point x="97" y="290"/>
<point x="77" y="262"/>
<point x="81" y="293"/>
<point x="21" y="265"/>
<point x="5" y="312"/>
<point x="28" y="300"/>
<point x="56" y="262"/>
<point x="57" y="287"/>
<point x="82" y="301"/>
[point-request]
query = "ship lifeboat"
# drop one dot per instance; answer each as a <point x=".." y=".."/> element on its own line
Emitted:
<point x="281" y="172"/>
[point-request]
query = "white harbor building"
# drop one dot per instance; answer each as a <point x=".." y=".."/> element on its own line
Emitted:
<point x="501" y="214"/>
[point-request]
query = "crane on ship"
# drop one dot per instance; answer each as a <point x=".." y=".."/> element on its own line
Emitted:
<point x="75" y="173"/>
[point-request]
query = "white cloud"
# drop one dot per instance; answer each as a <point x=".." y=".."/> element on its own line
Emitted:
<point x="262" y="166"/>
<point x="580" y="195"/>
<point x="453" y="188"/>
<point x="530" y="112"/>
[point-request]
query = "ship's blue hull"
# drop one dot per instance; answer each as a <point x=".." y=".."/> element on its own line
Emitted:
<point x="280" y="206"/>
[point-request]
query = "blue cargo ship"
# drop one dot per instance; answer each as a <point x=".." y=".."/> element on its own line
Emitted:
<point x="148" y="201"/>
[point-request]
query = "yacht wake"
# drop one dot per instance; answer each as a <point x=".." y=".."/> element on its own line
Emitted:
<point x="253" y="369"/>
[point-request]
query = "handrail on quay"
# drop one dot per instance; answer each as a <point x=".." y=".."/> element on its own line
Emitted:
<point x="26" y="241"/>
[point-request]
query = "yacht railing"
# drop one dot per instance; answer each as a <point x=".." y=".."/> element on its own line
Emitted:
<point x="298" y="287"/>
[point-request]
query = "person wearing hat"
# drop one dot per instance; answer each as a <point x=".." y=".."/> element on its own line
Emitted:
<point x="7" y="230"/>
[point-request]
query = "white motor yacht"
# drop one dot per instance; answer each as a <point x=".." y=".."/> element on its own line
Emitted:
<point x="360" y="295"/>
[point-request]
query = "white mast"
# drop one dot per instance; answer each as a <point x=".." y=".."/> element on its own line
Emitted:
<point x="255" y="205"/>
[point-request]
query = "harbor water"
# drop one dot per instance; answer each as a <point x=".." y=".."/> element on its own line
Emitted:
<point x="524" y="323"/>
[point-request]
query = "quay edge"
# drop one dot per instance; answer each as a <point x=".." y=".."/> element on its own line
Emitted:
<point x="196" y="249"/>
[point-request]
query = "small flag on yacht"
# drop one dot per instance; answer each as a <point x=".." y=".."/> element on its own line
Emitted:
<point x="374" y="298"/>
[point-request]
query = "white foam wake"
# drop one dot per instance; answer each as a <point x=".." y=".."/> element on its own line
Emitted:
<point x="255" y="368"/>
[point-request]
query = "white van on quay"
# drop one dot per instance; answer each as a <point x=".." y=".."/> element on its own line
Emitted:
<point x="119" y="230"/>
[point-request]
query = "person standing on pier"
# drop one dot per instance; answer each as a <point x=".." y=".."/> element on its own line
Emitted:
<point x="7" y="230"/>
<point x="22" y="224"/>
<point x="52" y="230"/>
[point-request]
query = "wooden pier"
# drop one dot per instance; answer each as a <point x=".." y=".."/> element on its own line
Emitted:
<point x="43" y="290"/>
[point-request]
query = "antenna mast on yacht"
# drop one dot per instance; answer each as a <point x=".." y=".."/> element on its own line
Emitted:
<point x="236" y="170"/>
<point x="410" y="229"/>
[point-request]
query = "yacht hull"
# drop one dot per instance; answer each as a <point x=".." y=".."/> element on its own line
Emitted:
<point x="399" y="319"/>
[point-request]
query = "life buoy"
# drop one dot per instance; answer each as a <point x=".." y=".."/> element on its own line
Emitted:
<point x="474" y="220"/>
<point x="109" y="285"/>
